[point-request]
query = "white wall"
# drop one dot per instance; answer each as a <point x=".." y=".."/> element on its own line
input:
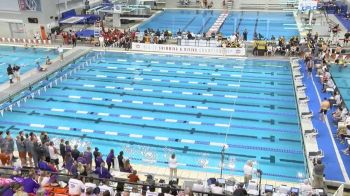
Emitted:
<point x="9" y="5"/>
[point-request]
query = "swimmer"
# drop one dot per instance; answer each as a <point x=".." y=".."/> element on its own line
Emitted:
<point x="324" y="107"/>
<point x="48" y="61"/>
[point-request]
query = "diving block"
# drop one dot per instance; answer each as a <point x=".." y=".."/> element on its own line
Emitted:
<point x="307" y="115"/>
<point x="330" y="90"/>
<point x="316" y="154"/>
<point x="301" y="88"/>
<point x="299" y="76"/>
<point x="311" y="132"/>
<point x="304" y="99"/>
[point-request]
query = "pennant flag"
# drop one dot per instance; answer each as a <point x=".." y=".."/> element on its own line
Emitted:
<point x="2" y="112"/>
<point x="10" y="107"/>
<point x="18" y="103"/>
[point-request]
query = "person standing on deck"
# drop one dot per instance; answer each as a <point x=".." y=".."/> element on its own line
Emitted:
<point x="324" y="107"/>
<point x="10" y="73"/>
<point x="173" y="167"/>
<point x="245" y="35"/>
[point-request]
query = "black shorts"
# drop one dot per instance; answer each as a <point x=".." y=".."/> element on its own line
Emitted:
<point x="309" y="69"/>
<point x="323" y="111"/>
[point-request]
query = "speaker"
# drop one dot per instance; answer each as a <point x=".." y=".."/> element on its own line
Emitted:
<point x="33" y="20"/>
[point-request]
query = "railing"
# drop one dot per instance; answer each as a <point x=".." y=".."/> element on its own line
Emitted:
<point x="122" y="181"/>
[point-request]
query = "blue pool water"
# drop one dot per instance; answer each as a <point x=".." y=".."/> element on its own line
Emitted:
<point x="200" y="21"/>
<point x="342" y="81"/>
<point x="153" y="105"/>
<point x="25" y="58"/>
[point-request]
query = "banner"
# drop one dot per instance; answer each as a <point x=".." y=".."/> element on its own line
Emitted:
<point x="189" y="49"/>
<point x="29" y="5"/>
<point x="305" y="5"/>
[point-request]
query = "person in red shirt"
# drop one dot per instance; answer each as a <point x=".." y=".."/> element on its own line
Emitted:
<point x="133" y="177"/>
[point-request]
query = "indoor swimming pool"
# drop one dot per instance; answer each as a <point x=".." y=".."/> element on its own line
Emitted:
<point x="25" y="58"/>
<point x="200" y="21"/>
<point x="153" y="105"/>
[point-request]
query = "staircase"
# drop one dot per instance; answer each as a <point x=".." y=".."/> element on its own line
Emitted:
<point x="218" y="23"/>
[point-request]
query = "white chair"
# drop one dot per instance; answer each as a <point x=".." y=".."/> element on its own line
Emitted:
<point x="252" y="188"/>
<point x="148" y="193"/>
<point x="283" y="190"/>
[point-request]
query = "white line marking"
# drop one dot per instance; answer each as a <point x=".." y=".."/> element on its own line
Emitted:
<point x="97" y="98"/>
<point x="74" y="97"/>
<point x="110" y="87"/>
<point x="124" y="116"/>
<point x="81" y="112"/>
<point x="63" y="128"/>
<point x="175" y="81"/>
<point x="170" y="120"/>
<point x="102" y="114"/>
<point x="117" y="100"/>
<point x="161" y="138"/>
<point x="111" y="133"/>
<point x="128" y="89"/>
<point x="147" y="118"/>
<point x="187" y="93"/>
<point x="193" y="82"/>
<point x="202" y="107"/>
<point x="167" y="91"/>
<point x="147" y="90"/>
<point x="163" y="71"/>
<point x="135" y="135"/>
<point x="188" y="141"/>
<point x="87" y="130"/>
<point x="137" y="102"/>
<point x="221" y="125"/>
<point x="89" y="85"/>
<point x="231" y="96"/>
<point x="57" y="110"/>
<point x="101" y="76"/>
<point x="180" y="106"/>
<point x="227" y="109"/>
<point x="37" y="125"/>
<point x="121" y="60"/>
<point x="194" y="123"/>
<point x="159" y="104"/>
<point x="216" y="144"/>
<point x="207" y="94"/>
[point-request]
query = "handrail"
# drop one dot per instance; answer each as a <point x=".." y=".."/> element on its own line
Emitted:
<point x="114" y="180"/>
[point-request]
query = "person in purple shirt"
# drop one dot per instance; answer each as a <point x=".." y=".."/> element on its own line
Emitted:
<point x="68" y="147"/>
<point x="88" y="157"/>
<point x="74" y="169"/>
<point x="102" y="171"/>
<point x="43" y="165"/>
<point x="30" y="185"/>
<point x="68" y="161"/>
<point x="110" y="159"/>
<point x="81" y="159"/>
<point x="99" y="160"/>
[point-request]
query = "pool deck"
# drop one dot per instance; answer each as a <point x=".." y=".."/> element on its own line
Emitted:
<point x="31" y="77"/>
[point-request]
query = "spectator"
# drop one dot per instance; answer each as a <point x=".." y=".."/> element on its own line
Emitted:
<point x="121" y="160"/>
<point x="102" y="171"/>
<point x="21" y="148"/>
<point x="76" y="186"/>
<point x="240" y="191"/>
<point x="127" y="166"/>
<point x="306" y="188"/>
<point x="75" y="152"/>
<point x="133" y="177"/>
<point x="96" y="153"/>
<point x="53" y="154"/>
<point x="16" y="72"/>
<point x="99" y="160"/>
<point x="68" y="147"/>
<point x="110" y="159"/>
<point x="29" y="149"/>
<point x="68" y="161"/>
<point x="62" y="149"/>
<point x="30" y="183"/>
<point x="9" y="146"/>
<point x="88" y="158"/>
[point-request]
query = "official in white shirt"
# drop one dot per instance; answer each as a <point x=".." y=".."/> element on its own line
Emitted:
<point x="248" y="171"/>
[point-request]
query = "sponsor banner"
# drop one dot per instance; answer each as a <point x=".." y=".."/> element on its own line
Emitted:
<point x="29" y="5"/>
<point x="189" y="49"/>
